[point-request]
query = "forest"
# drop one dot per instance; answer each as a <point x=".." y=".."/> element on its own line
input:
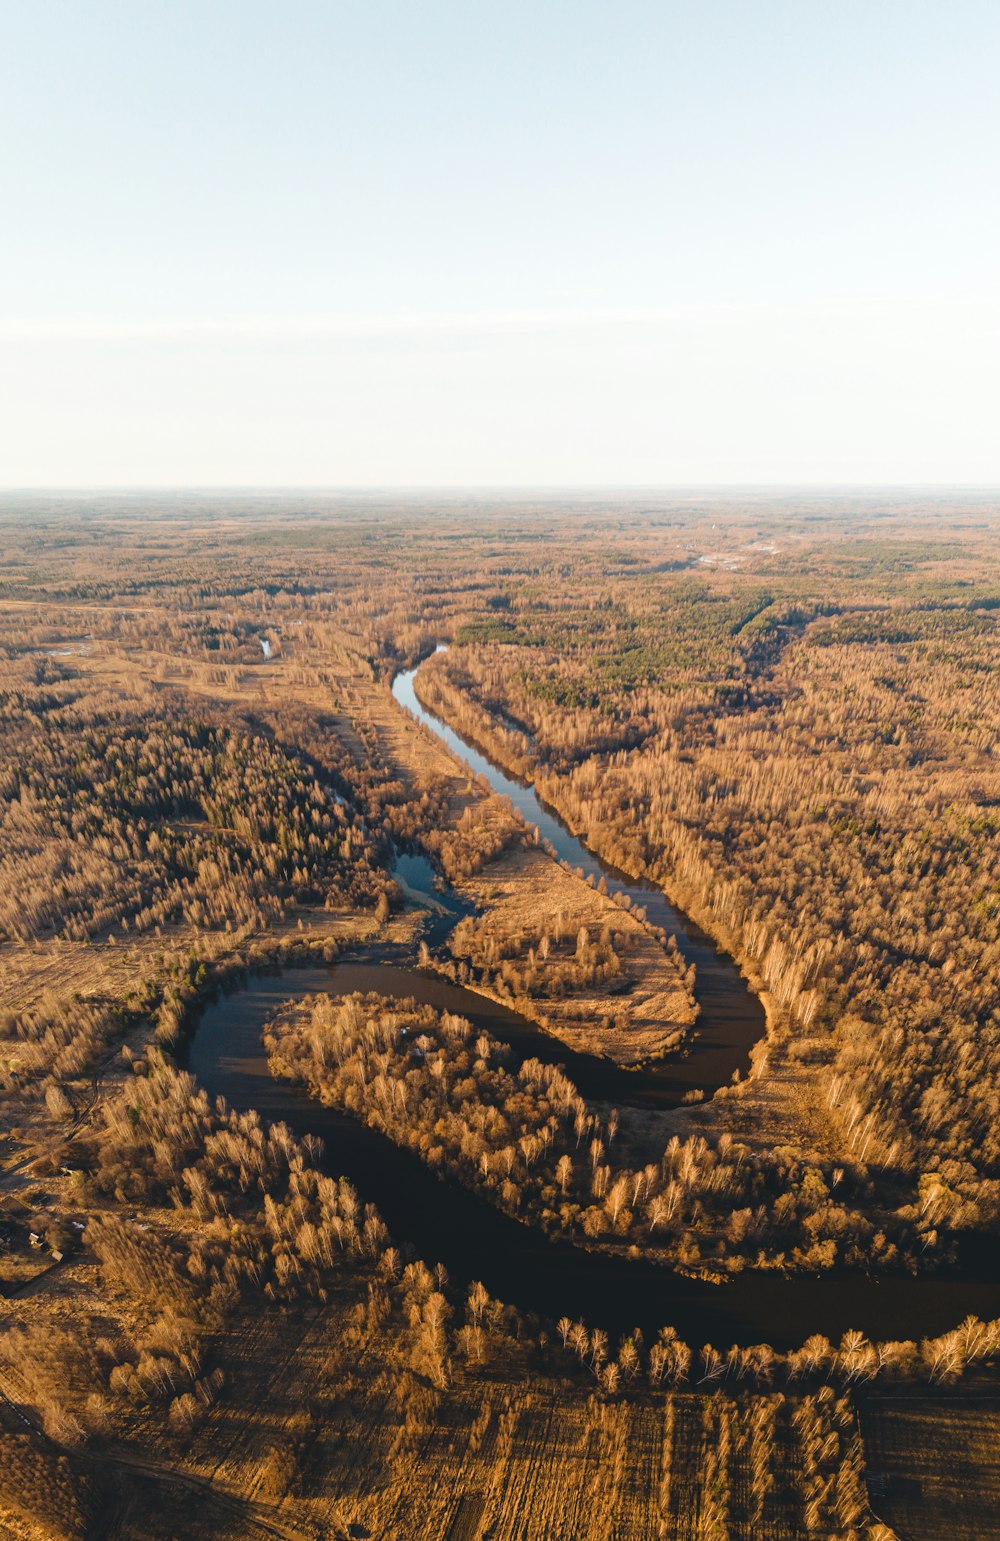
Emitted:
<point x="528" y="1138"/>
<point x="783" y="720"/>
<point x="822" y="788"/>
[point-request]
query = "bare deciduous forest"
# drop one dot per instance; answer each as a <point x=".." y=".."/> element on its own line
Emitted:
<point x="783" y="713"/>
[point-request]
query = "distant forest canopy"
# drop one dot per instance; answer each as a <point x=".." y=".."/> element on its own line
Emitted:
<point x="782" y="708"/>
<point x="787" y="710"/>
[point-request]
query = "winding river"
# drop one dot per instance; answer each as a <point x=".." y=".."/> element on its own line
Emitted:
<point x="446" y="1223"/>
<point x="730" y="1019"/>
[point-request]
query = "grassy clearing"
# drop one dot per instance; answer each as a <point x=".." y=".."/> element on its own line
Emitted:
<point x="526" y="890"/>
<point x="934" y="1465"/>
<point x="497" y="1457"/>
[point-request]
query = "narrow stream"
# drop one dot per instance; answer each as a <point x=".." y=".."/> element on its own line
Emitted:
<point x="731" y="1018"/>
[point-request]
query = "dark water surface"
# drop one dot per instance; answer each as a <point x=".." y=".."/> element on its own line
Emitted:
<point x="422" y="887"/>
<point x="731" y="1018"/>
<point x="446" y="1223"/>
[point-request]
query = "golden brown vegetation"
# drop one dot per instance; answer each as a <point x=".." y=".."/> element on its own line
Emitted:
<point x="524" y="1135"/>
<point x="799" y="743"/>
<point x="815" y="779"/>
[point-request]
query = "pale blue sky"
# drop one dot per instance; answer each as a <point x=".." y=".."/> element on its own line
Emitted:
<point x="520" y="243"/>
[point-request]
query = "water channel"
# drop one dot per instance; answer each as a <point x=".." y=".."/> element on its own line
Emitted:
<point x="730" y="1017"/>
<point x="446" y="1223"/>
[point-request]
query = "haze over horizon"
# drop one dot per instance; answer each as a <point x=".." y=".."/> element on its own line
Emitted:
<point x="451" y="247"/>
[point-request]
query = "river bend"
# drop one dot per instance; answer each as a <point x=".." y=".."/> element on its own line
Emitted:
<point x="447" y="1223"/>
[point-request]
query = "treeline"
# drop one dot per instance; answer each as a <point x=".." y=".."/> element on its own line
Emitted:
<point x="258" y="1218"/>
<point x="523" y="1135"/>
<point x="582" y="679"/>
<point x="140" y="814"/>
<point x="56" y="1040"/>
<point x="549" y="959"/>
<point x="479" y="835"/>
<point x="44" y="1487"/>
<point x="525" y="1139"/>
<point x="62" y="1036"/>
<point x="269" y="1222"/>
<point x="832" y="820"/>
<point x="254" y="1219"/>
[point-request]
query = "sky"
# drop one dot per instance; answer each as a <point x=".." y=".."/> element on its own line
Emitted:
<point x="532" y="243"/>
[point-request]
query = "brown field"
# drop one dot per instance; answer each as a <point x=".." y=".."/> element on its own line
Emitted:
<point x="526" y="888"/>
<point x="933" y="1465"/>
<point x="319" y="1436"/>
<point x="779" y="1102"/>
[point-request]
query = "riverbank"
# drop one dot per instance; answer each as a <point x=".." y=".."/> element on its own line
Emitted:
<point x="447" y="1223"/>
<point x="525" y="900"/>
<point x="767" y="1098"/>
<point x="730" y="1017"/>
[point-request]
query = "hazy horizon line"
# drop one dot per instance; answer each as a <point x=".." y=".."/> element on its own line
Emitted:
<point x="376" y="489"/>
